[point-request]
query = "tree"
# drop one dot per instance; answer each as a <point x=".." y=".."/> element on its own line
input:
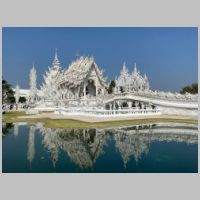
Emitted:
<point x="7" y="93"/>
<point x="22" y="99"/>
<point x="193" y="89"/>
<point x="111" y="87"/>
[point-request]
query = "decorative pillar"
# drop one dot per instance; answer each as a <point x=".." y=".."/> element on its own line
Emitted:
<point x="96" y="86"/>
<point x="119" y="104"/>
<point x="114" y="107"/>
<point x="84" y="90"/>
<point x="129" y="104"/>
<point x="136" y="104"/>
<point x="110" y="105"/>
<point x="78" y="91"/>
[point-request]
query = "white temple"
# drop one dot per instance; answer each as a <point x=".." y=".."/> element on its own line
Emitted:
<point x="82" y="89"/>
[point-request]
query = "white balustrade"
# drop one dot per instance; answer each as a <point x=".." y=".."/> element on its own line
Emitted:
<point x="104" y="112"/>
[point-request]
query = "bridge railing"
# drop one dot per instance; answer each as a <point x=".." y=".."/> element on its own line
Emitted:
<point x="103" y="112"/>
<point x="152" y="96"/>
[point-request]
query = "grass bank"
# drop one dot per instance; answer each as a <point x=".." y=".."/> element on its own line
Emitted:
<point x="11" y="117"/>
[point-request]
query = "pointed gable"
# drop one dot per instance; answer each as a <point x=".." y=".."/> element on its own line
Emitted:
<point x="81" y="69"/>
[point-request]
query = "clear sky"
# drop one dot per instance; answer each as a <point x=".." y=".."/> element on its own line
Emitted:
<point x="169" y="56"/>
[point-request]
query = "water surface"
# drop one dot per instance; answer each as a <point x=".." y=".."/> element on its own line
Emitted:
<point x="145" y="148"/>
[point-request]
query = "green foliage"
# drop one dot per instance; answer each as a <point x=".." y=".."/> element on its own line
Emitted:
<point x="11" y="99"/>
<point x="7" y="93"/>
<point x="111" y="87"/>
<point x="22" y="99"/>
<point x="193" y="89"/>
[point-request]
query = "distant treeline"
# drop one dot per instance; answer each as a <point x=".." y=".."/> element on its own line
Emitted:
<point x="8" y="94"/>
<point x="193" y="89"/>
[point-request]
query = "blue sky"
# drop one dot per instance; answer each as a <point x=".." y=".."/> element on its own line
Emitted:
<point x="169" y="56"/>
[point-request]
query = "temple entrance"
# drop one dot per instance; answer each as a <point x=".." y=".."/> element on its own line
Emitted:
<point x="91" y="88"/>
<point x="124" y="105"/>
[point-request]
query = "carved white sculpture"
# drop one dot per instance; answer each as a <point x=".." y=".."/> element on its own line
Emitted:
<point x="33" y="85"/>
<point x="133" y="82"/>
<point x="49" y="89"/>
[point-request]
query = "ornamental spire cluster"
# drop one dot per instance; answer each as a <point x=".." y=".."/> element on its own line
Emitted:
<point x="132" y="82"/>
<point x="52" y="76"/>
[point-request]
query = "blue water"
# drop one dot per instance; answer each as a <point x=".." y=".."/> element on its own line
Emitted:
<point x="163" y="149"/>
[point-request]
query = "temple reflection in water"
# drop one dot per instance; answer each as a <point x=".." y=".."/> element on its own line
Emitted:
<point x="85" y="146"/>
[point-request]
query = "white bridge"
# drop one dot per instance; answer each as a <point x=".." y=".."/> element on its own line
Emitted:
<point x="128" y="104"/>
<point x="154" y="100"/>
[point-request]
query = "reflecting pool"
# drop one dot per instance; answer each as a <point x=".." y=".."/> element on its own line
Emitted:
<point x="145" y="148"/>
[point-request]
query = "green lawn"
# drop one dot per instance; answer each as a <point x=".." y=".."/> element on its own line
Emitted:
<point x="68" y="123"/>
<point x="9" y="116"/>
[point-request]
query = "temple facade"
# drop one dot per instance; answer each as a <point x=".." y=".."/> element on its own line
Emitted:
<point x="82" y="80"/>
<point x="82" y="89"/>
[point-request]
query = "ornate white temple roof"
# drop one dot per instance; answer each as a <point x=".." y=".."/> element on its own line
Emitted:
<point x="133" y="81"/>
<point x="80" y="69"/>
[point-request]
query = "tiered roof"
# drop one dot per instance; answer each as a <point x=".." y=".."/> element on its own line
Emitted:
<point x="79" y="70"/>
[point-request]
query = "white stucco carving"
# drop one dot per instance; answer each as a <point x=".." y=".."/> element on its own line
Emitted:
<point x="33" y="85"/>
<point x="82" y="89"/>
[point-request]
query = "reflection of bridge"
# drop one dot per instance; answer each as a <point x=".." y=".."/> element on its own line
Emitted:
<point x="85" y="146"/>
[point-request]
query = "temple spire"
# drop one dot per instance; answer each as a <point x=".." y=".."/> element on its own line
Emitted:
<point x="124" y="69"/>
<point x="135" y="69"/>
<point x="145" y="77"/>
<point x="33" y="84"/>
<point x="77" y="54"/>
<point x="56" y="54"/>
<point x="124" y="65"/>
<point x="56" y="61"/>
